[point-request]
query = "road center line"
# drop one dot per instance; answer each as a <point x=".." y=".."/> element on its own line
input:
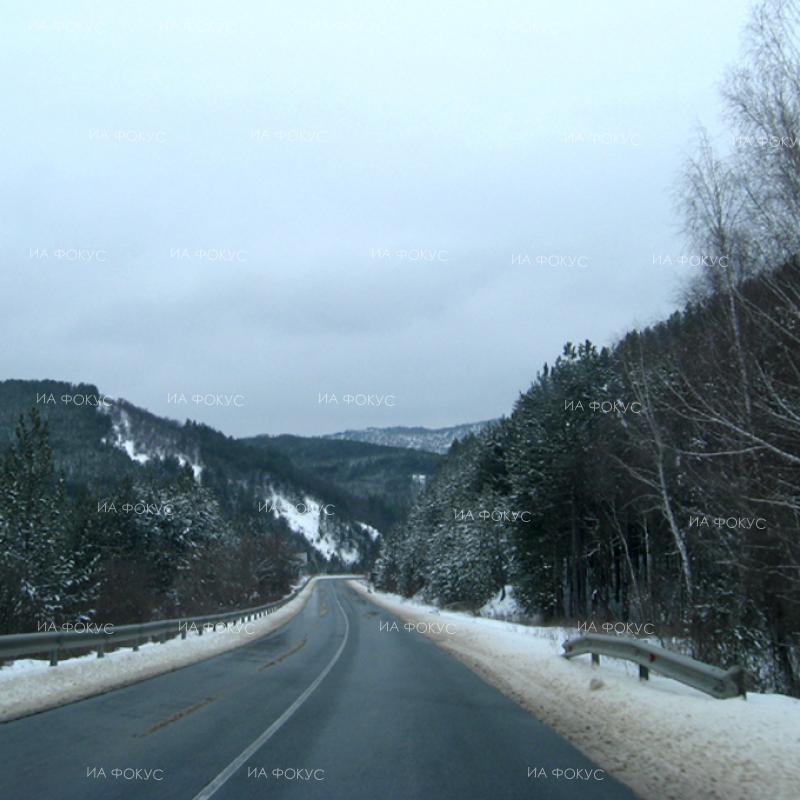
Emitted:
<point x="222" y="778"/>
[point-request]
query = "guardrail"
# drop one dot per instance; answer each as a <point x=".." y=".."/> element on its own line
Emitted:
<point x="717" y="682"/>
<point x="27" y="644"/>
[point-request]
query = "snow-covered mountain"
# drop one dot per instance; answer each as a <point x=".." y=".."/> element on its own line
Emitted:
<point x="434" y="440"/>
<point x="388" y="478"/>
<point x="152" y="443"/>
<point x="316" y="523"/>
<point x="99" y="444"/>
<point x="275" y="487"/>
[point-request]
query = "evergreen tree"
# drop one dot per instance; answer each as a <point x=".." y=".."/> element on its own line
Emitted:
<point x="40" y="581"/>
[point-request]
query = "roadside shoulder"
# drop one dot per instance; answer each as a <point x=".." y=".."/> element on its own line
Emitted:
<point x="654" y="737"/>
<point x="29" y="686"/>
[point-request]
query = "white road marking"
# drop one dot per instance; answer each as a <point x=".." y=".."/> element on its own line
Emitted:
<point x="222" y="778"/>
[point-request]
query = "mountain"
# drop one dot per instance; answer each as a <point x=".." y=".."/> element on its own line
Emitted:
<point x="99" y="442"/>
<point x="388" y="478"/>
<point x="433" y="440"/>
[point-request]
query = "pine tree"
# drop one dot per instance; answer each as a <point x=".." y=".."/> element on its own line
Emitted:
<point x="37" y="575"/>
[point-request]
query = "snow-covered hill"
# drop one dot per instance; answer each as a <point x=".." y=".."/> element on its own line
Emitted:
<point x="267" y="478"/>
<point x="98" y="446"/>
<point x="146" y="449"/>
<point x="434" y="440"/>
<point x="315" y="522"/>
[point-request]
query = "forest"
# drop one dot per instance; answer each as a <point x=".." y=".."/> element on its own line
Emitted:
<point x="150" y="547"/>
<point x="658" y="480"/>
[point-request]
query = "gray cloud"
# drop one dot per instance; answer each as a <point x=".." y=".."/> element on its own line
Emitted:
<point x="283" y="202"/>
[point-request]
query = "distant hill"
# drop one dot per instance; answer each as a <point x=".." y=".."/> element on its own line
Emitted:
<point x="371" y="477"/>
<point x="389" y="478"/>
<point x="98" y="445"/>
<point x="433" y="440"/>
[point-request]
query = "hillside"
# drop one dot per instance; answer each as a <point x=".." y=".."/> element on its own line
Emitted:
<point x="433" y="440"/>
<point x="98" y="442"/>
<point x="646" y="482"/>
<point x="387" y="478"/>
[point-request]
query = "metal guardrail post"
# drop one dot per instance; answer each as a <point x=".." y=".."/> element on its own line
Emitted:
<point x="704" y="677"/>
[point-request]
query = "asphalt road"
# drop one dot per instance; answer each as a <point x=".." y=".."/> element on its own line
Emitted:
<point x="342" y="708"/>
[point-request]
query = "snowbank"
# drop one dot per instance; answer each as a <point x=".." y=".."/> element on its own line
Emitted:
<point x="503" y="606"/>
<point x="28" y="686"/>
<point x="663" y="739"/>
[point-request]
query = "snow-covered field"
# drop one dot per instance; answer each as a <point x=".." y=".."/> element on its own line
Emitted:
<point x="31" y="685"/>
<point x="665" y="740"/>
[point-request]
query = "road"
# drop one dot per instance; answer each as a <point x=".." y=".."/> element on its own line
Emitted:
<point x="365" y="713"/>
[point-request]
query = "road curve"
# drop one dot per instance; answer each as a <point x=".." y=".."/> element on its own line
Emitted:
<point x="330" y="706"/>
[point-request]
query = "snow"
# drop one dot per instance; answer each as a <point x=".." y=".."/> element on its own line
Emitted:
<point x="348" y="555"/>
<point x="28" y="686"/>
<point x="197" y="469"/>
<point x="665" y="740"/>
<point x="435" y="440"/>
<point x="504" y="608"/>
<point x="123" y="439"/>
<point x="307" y="522"/>
<point x="130" y="448"/>
<point x="374" y="533"/>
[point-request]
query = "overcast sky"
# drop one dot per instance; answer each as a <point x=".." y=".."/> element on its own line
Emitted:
<point x="279" y="200"/>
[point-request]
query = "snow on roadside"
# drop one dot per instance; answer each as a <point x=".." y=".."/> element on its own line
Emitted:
<point x="665" y="740"/>
<point x="28" y="686"/>
<point x="502" y="606"/>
